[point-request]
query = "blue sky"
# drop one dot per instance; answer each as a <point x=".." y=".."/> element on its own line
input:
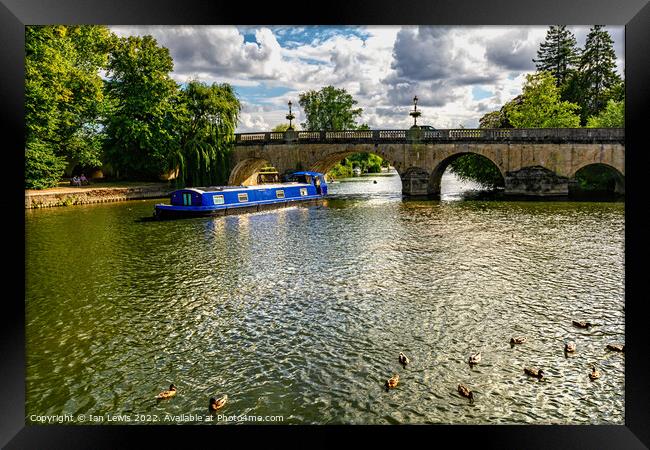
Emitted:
<point x="458" y="73"/>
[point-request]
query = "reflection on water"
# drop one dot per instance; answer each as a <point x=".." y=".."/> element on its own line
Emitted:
<point x="302" y="312"/>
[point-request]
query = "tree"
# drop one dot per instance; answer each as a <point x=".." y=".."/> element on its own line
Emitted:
<point x="206" y="118"/>
<point x="558" y="54"/>
<point x="140" y="132"/>
<point x="598" y="77"/>
<point x="64" y="98"/>
<point x="542" y="107"/>
<point x="333" y="109"/>
<point x="613" y="116"/>
<point x="329" y="109"/>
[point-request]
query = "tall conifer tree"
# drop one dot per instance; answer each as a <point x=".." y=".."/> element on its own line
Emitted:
<point x="558" y="53"/>
<point x="597" y="71"/>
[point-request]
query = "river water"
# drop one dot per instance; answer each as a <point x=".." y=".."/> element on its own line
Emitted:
<point x="301" y="313"/>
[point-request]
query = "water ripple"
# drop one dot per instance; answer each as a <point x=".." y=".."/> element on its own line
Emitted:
<point x="301" y="312"/>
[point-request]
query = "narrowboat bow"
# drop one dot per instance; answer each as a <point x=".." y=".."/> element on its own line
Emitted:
<point x="301" y="188"/>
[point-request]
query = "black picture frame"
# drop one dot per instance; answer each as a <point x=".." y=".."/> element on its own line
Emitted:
<point x="633" y="14"/>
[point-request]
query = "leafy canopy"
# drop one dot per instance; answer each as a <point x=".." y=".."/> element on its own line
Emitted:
<point x="542" y="107"/>
<point x="613" y="116"/>
<point x="64" y="99"/>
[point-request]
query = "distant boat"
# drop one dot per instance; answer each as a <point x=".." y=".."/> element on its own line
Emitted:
<point x="302" y="187"/>
<point x="356" y="172"/>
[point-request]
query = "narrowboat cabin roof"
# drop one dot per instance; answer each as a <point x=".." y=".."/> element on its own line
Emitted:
<point x="203" y="189"/>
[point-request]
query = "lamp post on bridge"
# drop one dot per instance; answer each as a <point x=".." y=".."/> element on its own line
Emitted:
<point x="290" y="134"/>
<point x="415" y="113"/>
<point x="290" y="117"/>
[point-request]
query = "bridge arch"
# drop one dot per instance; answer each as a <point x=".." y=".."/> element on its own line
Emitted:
<point x="610" y="178"/>
<point x="328" y="160"/>
<point x="245" y="171"/>
<point x="435" y="178"/>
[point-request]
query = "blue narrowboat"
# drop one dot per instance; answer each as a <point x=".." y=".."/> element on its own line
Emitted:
<point x="301" y="188"/>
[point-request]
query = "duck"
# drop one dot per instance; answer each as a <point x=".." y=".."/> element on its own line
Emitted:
<point x="392" y="382"/>
<point x="517" y="340"/>
<point x="475" y="358"/>
<point x="466" y="392"/>
<point x="570" y="347"/>
<point x="533" y="372"/>
<point x="580" y="324"/>
<point x="217" y="404"/>
<point x="168" y="393"/>
<point x="616" y="347"/>
<point x="595" y="374"/>
<point x="403" y="359"/>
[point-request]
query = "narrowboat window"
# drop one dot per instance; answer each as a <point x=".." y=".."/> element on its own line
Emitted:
<point x="298" y="178"/>
<point x="187" y="199"/>
<point x="218" y="199"/>
<point x="243" y="197"/>
<point x="279" y="193"/>
<point x="307" y="179"/>
<point x="303" y="191"/>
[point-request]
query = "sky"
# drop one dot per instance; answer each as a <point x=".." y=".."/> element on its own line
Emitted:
<point x="458" y="73"/>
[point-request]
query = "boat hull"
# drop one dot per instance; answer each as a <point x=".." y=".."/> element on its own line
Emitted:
<point x="165" y="212"/>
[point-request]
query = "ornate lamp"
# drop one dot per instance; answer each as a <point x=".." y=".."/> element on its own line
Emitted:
<point x="415" y="113"/>
<point x="290" y="117"/>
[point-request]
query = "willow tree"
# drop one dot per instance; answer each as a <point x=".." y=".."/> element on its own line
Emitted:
<point x="206" y="119"/>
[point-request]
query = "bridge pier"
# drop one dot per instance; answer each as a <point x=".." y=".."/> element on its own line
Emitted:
<point x="415" y="182"/>
<point x="536" y="181"/>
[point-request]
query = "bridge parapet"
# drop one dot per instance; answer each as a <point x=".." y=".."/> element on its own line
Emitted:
<point x="578" y="135"/>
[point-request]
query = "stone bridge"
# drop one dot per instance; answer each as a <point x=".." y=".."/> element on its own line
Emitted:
<point x="537" y="162"/>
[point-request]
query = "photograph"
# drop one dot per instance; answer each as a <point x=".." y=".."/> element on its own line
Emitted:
<point x="283" y="225"/>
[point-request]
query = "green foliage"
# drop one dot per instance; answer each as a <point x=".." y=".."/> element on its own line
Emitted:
<point x="340" y="170"/>
<point x="558" y="53"/>
<point x="542" y="107"/>
<point x="473" y="167"/>
<point x="595" y="178"/>
<point x="43" y="168"/>
<point x="598" y="77"/>
<point x="329" y="109"/>
<point x="613" y="116"/>
<point x="64" y="98"/>
<point x="140" y="129"/>
<point x="367" y="162"/>
<point x="206" y="118"/>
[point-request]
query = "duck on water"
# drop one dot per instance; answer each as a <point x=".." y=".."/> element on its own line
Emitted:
<point x="301" y="188"/>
